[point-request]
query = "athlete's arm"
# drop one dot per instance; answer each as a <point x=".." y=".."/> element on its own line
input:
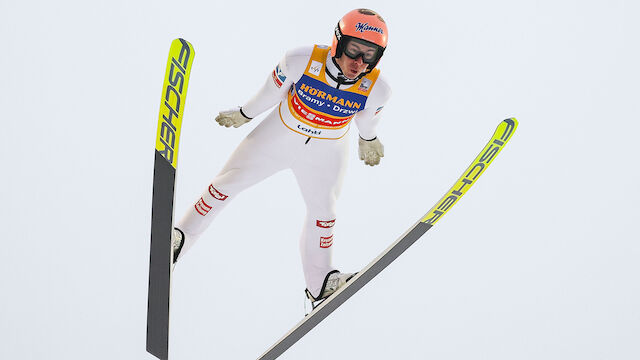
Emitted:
<point x="367" y="120"/>
<point x="275" y="88"/>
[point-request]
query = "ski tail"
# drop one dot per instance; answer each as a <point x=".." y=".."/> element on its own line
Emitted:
<point x="172" y="103"/>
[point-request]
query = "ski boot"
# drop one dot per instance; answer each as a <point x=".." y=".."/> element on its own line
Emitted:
<point x="177" y="241"/>
<point x="332" y="282"/>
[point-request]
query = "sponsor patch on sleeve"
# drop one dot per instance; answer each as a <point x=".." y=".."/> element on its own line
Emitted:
<point x="278" y="76"/>
<point x="202" y="207"/>
<point x="326" y="242"/>
<point x="325" y="223"/>
<point x="379" y="109"/>
<point x="217" y="194"/>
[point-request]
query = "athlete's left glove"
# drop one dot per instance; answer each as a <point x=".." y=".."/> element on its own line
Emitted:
<point x="370" y="151"/>
<point x="233" y="117"/>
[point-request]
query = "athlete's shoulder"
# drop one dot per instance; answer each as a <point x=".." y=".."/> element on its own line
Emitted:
<point x="381" y="91"/>
<point x="295" y="61"/>
<point x="303" y="52"/>
<point x="299" y="52"/>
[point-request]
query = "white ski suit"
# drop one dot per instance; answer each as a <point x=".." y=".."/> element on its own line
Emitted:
<point x="304" y="133"/>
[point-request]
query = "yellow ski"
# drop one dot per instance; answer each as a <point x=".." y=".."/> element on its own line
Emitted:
<point x="498" y="141"/>
<point x="172" y="102"/>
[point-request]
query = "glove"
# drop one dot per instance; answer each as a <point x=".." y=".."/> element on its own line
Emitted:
<point x="233" y="117"/>
<point x="370" y="151"/>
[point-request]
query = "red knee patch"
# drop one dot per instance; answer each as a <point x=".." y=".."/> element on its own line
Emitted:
<point x="202" y="207"/>
<point x="326" y="242"/>
<point x="325" y="223"/>
<point x="217" y="194"/>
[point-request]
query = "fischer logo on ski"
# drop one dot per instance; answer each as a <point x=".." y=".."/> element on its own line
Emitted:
<point x="171" y="108"/>
<point x="498" y="141"/>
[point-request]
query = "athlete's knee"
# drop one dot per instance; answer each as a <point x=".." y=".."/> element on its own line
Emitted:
<point x="321" y="205"/>
<point x="210" y="199"/>
<point x="234" y="181"/>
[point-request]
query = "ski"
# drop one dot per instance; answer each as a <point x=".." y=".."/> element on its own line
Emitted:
<point x="174" y="91"/>
<point x="499" y="139"/>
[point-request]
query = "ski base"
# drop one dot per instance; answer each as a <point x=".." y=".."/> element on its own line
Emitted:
<point x="160" y="259"/>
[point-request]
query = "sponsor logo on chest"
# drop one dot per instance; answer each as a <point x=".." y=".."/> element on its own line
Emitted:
<point x="337" y="103"/>
<point x="365" y="84"/>
<point x="315" y="67"/>
<point x="329" y="100"/>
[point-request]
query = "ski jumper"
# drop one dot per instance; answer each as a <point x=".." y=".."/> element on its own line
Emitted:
<point x="305" y="132"/>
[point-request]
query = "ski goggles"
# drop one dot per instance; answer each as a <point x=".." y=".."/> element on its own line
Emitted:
<point x="369" y="52"/>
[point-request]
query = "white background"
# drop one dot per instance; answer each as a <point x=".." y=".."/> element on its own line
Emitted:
<point x="538" y="261"/>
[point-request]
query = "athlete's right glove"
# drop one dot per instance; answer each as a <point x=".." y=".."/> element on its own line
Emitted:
<point x="370" y="151"/>
<point x="233" y="117"/>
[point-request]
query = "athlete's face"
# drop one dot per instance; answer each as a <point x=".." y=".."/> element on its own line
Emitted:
<point x="354" y="67"/>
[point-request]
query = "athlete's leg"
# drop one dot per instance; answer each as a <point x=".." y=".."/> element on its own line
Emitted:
<point x="320" y="180"/>
<point x="257" y="157"/>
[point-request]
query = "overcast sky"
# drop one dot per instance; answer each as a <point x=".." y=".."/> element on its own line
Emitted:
<point x="537" y="261"/>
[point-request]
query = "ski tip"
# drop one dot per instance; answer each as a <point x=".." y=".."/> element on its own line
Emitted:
<point x="506" y="128"/>
<point x="511" y="121"/>
<point x="182" y="42"/>
<point x="500" y="137"/>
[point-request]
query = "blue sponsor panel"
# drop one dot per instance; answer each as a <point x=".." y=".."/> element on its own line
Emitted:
<point x="323" y="98"/>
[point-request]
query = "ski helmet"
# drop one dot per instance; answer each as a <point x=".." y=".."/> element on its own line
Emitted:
<point x="364" y="26"/>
